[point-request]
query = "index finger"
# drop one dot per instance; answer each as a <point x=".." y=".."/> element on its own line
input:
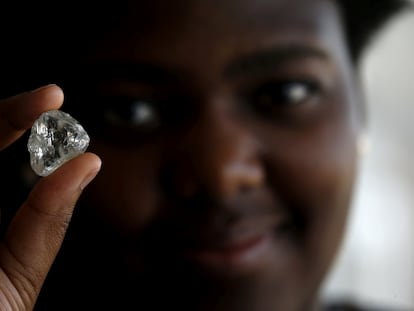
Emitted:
<point x="19" y="112"/>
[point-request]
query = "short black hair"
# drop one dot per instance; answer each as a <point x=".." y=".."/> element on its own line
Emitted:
<point x="364" y="18"/>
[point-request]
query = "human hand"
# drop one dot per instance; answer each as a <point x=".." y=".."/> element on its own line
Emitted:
<point x="35" y="234"/>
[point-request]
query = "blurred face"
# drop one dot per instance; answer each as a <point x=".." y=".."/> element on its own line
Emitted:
<point x="227" y="131"/>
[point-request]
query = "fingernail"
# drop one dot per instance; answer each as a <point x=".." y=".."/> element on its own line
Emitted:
<point x="89" y="178"/>
<point x="42" y="88"/>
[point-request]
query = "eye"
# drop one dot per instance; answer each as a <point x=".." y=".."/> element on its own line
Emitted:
<point x="131" y="113"/>
<point x="284" y="94"/>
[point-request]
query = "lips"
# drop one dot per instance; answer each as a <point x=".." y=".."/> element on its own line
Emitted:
<point x="239" y="248"/>
<point x="241" y="256"/>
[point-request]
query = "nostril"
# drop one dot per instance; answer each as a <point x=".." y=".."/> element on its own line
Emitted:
<point x="244" y="189"/>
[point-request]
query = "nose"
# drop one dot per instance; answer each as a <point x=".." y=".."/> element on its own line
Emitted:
<point x="218" y="156"/>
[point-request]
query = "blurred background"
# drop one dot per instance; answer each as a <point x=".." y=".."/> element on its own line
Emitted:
<point x="376" y="265"/>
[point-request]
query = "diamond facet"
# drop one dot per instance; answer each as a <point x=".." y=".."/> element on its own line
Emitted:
<point x="55" y="138"/>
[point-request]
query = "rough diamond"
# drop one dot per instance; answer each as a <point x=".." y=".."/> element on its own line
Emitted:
<point x="55" y="138"/>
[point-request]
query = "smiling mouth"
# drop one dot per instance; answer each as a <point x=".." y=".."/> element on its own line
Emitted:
<point x="242" y="253"/>
<point x="232" y="237"/>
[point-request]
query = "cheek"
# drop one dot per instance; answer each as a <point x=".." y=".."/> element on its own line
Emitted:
<point x="330" y="196"/>
<point x="327" y="188"/>
<point x="314" y="178"/>
<point x="125" y="192"/>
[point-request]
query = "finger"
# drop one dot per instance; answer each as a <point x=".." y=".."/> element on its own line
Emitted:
<point x="37" y="231"/>
<point x="19" y="112"/>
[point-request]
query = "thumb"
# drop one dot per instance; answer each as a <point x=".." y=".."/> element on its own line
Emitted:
<point x="37" y="231"/>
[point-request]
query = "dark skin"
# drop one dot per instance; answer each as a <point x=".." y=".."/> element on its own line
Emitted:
<point x="231" y="187"/>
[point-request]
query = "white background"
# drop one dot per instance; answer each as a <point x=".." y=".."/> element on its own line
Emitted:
<point x="376" y="265"/>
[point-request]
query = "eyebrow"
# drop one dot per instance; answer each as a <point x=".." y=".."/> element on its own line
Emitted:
<point x="256" y="62"/>
<point x="118" y="70"/>
<point x="266" y="60"/>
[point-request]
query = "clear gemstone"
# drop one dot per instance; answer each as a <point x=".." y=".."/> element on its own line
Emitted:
<point x="55" y="138"/>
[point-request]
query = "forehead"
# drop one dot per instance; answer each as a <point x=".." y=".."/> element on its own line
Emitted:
<point x="232" y="13"/>
<point x="181" y="31"/>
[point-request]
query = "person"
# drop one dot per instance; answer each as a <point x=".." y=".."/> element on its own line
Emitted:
<point x="228" y="132"/>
